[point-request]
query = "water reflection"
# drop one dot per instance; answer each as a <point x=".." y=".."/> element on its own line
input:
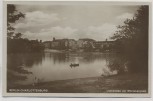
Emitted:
<point x="17" y="65"/>
<point x="31" y="68"/>
<point x="117" y="63"/>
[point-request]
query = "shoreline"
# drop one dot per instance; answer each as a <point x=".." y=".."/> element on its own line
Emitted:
<point x="68" y="51"/>
<point x="99" y="84"/>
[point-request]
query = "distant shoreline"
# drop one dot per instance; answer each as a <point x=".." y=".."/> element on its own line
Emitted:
<point x="63" y="51"/>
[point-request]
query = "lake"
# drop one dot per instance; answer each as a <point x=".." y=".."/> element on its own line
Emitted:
<point x="25" y="69"/>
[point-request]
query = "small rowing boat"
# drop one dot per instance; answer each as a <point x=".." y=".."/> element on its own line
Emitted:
<point x="73" y="65"/>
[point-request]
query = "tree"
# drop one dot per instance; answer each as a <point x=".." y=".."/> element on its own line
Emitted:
<point x="132" y="39"/>
<point x="12" y="16"/>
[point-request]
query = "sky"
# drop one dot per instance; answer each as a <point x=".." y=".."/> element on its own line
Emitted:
<point x="95" y="21"/>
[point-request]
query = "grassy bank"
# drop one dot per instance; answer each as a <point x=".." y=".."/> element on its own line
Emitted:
<point x="94" y="84"/>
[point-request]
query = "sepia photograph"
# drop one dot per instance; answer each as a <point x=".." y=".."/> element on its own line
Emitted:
<point x="77" y="47"/>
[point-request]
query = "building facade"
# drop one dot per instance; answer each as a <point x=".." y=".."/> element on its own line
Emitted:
<point x="85" y="44"/>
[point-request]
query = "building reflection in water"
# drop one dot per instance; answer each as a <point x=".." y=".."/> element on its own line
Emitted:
<point x="56" y="66"/>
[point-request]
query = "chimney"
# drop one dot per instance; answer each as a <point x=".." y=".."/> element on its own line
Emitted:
<point x="40" y="41"/>
<point x="53" y="38"/>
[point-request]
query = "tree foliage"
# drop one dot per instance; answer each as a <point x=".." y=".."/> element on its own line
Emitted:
<point x="12" y="16"/>
<point x="15" y="42"/>
<point x="132" y="39"/>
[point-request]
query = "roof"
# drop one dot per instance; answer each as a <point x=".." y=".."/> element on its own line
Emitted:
<point x="87" y="39"/>
<point x="47" y="41"/>
<point x="104" y="41"/>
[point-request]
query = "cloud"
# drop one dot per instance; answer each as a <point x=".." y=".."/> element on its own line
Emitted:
<point x="36" y="19"/>
<point x="49" y="33"/>
<point x="72" y="21"/>
<point x="124" y="16"/>
<point x="100" y="32"/>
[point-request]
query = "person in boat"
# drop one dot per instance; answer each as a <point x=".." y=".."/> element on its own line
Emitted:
<point x="73" y="65"/>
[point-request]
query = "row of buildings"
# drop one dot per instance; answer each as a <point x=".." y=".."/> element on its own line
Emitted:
<point x="81" y="44"/>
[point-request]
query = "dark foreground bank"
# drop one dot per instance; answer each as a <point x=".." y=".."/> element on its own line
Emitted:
<point x="129" y="83"/>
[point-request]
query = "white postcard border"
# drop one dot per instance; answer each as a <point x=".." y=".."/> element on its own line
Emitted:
<point x="4" y="61"/>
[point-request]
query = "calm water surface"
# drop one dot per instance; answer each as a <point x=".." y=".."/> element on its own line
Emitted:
<point x="25" y="68"/>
